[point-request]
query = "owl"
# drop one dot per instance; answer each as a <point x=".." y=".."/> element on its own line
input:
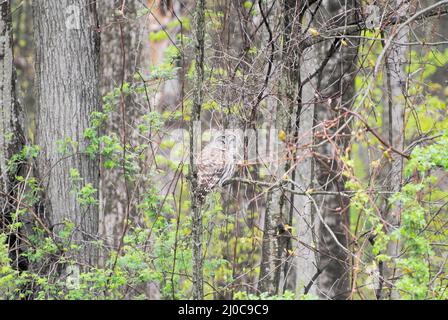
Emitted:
<point x="216" y="163"/>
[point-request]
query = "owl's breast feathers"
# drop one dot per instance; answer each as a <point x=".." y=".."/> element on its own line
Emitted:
<point x="215" y="164"/>
<point x="210" y="165"/>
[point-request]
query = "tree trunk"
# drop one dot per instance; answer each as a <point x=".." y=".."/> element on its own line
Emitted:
<point x="303" y="276"/>
<point x="334" y="90"/>
<point x="198" y="96"/>
<point x="396" y="84"/>
<point x="67" y="57"/>
<point x="11" y="133"/>
<point x="282" y="256"/>
<point x="270" y="262"/>
<point x="124" y="51"/>
<point x="274" y="216"/>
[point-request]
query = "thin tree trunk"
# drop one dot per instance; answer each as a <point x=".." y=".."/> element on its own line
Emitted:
<point x="334" y="90"/>
<point x="277" y="264"/>
<point x="67" y="57"/>
<point x="11" y="133"/>
<point x="269" y="265"/>
<point x="291" y="87"/>
<point x="286" y="263"/>
<point x="198" y="96"/>
<point x="305" y="256"/>
<point x="24" y="59"/>
<point x="273" y="242"/>
<point x="396" y="84"/>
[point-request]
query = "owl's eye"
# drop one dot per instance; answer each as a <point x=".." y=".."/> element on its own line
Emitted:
<point x="221" y="139"/>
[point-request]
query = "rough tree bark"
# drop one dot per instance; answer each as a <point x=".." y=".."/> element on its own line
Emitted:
<point x="271" y="262"/>
<point x="303" y="275"/>
<point x="198" y="96"/>
<point x="67" y="59"/>
<point x="269" y="265"/>
<point x="11" y="132"/>
<point x="334" y="90"/>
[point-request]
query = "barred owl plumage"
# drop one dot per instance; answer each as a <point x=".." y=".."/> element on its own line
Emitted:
<point x="216" y="163"/>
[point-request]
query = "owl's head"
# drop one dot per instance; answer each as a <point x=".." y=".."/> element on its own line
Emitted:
<point x="227" y="141"/>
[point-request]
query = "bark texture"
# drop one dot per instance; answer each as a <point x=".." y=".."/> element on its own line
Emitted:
<point x="198" y="96"/>
<point x="67" y="57"/>
<point x="11" y="131"/>
<point x="270" y="261"/>
<point x="396" y="88"/>
<point x="124" y="52"/>
<point x="274" y="216"/>
<point x="334" y="91"/>
<point x="303" y="276"/>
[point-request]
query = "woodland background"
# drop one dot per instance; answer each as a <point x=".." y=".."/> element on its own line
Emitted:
<point x="97" y="188"/>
